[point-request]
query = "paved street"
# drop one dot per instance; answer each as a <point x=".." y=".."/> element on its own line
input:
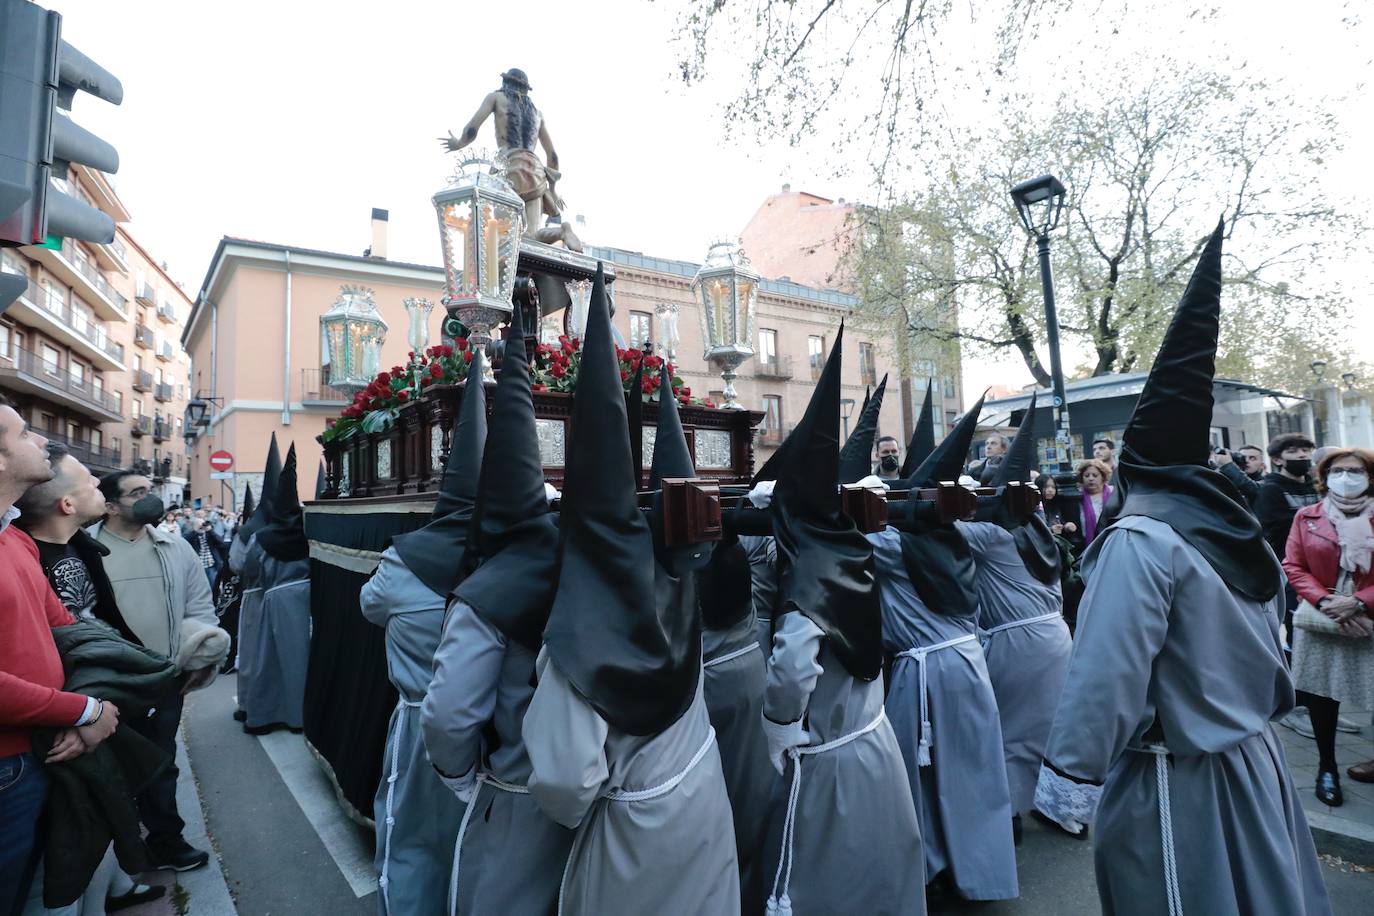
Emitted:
<point x="285" y="847"/>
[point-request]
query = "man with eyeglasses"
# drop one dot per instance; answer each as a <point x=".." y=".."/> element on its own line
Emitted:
<point x="1244" y="467"/>
<point x="161" y="589"/>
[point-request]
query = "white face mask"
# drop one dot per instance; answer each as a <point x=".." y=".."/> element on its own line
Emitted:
<point x="1347" y="484"/>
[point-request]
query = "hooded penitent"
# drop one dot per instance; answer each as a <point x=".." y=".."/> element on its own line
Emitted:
<point x="248" y="504"/>
<point x="320" y="484"/>
<point x="1034" y="540"/>
<point x="856" y="458"/>
<point x="634" y="411"/>
<point x="937" y="558"/>
<point x="619" y="629"/>
<point x="513" y="539"/>
<point x="284" y="538"/>
<point x="1162" y="472"/>
<point x="434" y="553"/>
<point x="922" y="439"/>
<point x="262" y="515"/>
<point x="825" y="565"/>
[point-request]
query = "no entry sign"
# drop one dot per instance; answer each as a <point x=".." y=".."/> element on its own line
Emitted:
<point x="221" y="460"/>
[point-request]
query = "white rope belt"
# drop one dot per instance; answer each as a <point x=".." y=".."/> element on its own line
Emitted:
<point x="782" y="906"/>
<point x="927" y="740"/>
<point x="401" y="706"/>
<point x="620" y="795"/>
<point x="482" y="779"/>
<point x="1166" y="824"/>
<point x="731" y="656"/>
<point x="1054" y="615"/>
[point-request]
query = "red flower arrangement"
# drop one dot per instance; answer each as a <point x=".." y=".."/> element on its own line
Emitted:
<point x="554" y="368"/>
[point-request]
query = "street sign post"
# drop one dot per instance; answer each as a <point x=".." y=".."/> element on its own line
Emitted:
<point x="221" y="475"/>
<point x="221" y="461"/>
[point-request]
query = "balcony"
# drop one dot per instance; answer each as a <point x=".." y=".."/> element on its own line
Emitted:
<point x="166" y="312"/>
<point x="143" y="337"/>
<point x="778" y="367"/>
<point x="317" y="392"/>
<point x="72" y="266"/>
<point x="60" y="321"/>
<point x="113" y="256"/>
<point x="165" y="352"/>
<point x="162" y="391"/>
<point x="140" y="426"/>
<point x="817" y="364"/>
<point x="98" y="460"/>
<point x="142" y="380"/>
<point x="28" y="372"/>
<point x="146" y="295"/>
<point x="770" y="437"/>
<point x="162" y="430"/>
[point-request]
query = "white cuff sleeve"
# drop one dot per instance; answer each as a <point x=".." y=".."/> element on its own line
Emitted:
<point x="462" y="786"/>
<point x="1069" y="804"/>
<point x="92" y="704"/>
<point x="782" y="737"/>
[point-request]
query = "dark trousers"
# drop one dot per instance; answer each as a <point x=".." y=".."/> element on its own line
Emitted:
<point x="157" y="806"/>
<point x="23" y="790"/>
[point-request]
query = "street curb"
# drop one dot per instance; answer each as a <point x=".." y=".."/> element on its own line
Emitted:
<point x="1336" y="836"/>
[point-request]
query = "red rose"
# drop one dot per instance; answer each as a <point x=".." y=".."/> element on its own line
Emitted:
<point x="426" y="381"/>
<point x="461" y="343"/>
<point x="624" y="376"/>
<point x="467" y="356"/>
<point x="653" y="362"/>
<point x="635" y="354"/>
<point x="684" y="390"/>
<point x="685" y="401"/>
<point x="403" y="395"/>
<point x="645" y="386"/>
<point x="538" y="388"/>
<point x="710" y="403"/>
<point x="436" y="370"/>
<point x="654" y="380"/>
<point x="383" y="378"/>
<point x="558" y="372"/>
<point x="410" y="355"/>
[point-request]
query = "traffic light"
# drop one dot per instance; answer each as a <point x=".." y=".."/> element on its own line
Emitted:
<point x="39" y="76"/>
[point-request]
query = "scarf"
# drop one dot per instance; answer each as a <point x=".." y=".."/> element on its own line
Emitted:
<point x="1090" y="515"/>
<point x="205" y="559"/>
<point x="1351" y="519"/>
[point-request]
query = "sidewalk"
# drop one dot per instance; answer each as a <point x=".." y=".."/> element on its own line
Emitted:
<point x="1347" y="831"/>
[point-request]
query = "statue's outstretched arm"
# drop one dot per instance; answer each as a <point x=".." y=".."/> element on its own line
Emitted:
<point x="545" y="141"/>
<point x="484" y="111"/>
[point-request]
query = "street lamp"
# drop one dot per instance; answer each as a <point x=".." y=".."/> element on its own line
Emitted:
<point x="726" y="288"/>
<point x="1040" y="203"/>
<point x="1349" y="379"/>
<point x="1319" y="369"/>
<point x="354" y="332"/>
<point x="846" y="410"/>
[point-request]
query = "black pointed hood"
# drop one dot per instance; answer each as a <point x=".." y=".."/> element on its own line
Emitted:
<point x="922" y="438"/>
<point x="624" y="633"/>
<point x="284" y="539"/>
<point x="434" y="553"/>
<point x="825" y="565"/>
<point x="512" y="543"/>
<point x="671" y="457"/>
<point x="856" y="458"/>
<point x="634" y="411"/>
<point x="946" y="462"/>
<point x="261" y="516"/>
<point x="1162" y="472"/>
<point x="1034" y="541"/>
<point x="320" y="483"/>
<point x="248" y="504"/>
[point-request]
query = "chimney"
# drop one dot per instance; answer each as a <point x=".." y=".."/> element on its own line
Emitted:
<point x="379" y="221"/>
<point x="786" y="188"/>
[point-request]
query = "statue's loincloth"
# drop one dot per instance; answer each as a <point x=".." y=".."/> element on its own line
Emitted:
<point x="530" y="178"/>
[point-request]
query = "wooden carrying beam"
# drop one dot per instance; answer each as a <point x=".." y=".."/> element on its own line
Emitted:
<point x="691" y="511"/>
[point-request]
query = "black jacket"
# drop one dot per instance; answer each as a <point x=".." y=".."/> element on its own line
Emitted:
<point x="92" y="553"/>
<point x="1279" y="499"/>
<point x="219" y="551"/>
<point x="91" y="802"/>
<point x="1247" y="485"/>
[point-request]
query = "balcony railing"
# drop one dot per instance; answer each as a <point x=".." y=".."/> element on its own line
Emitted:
<point x="143" y="337"/>
<point x="162" y="430"/>
<point x="166" y="312"/>
<point x="94" y="457"/>
<point x="83" y="266"/>
<point x="34" y="368"/>
<point x="141" y="426"/>
<point x="163" y="392"/>
<point x="146" y="294"/>
<point x="777" y="367"/>
<point x="166" y="353"/>
<point x="315" y="387"/>
<point x="770" y="437"/>
<point x="76" y="322"/>
<point x="142" y="380"/>
<point x="817" y="364"/>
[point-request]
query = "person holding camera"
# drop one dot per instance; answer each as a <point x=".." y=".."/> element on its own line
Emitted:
<point x="1244" y="467"/>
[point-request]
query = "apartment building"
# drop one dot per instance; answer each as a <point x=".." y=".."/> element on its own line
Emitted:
<point x="90" y="352"/>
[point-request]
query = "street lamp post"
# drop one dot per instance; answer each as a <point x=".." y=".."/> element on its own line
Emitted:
<point x="1040" y="203"/>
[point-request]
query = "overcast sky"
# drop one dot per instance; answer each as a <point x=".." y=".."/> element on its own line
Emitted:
<point x="288" y="121"/>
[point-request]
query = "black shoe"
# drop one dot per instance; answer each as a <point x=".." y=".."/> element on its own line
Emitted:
<point x="240" y="715"/>
<point x="177" y="855"/>
<point x="1329" y="789"/>
<point x="142" y="893"/>
<point x="1016" y="829"/>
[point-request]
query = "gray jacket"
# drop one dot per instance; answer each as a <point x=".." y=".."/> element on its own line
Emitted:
<point x="188" y="590"/>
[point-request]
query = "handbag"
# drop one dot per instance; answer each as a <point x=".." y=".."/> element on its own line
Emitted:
<point x="1308" y="618"/>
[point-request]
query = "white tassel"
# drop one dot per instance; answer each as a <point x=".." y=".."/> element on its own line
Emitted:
<point x="923" y="746"/>
<point x="785" y="906"/>
<point x="771" y="908"/>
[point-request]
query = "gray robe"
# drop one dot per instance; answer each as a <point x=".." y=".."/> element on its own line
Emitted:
<point x="1027" y="662"/>
<point x="962" y="796"/>
<point x="856" y="845"/>
<point x="250" y="615"/>
<point x="763" y="579"/>
<point x="732" y="684"/>
<point x="416" y="815"/>
<point x="1166" y="654"/>
<point x="512" y="855"/>
<point x="277" y="645"/>
<point x="672" y="853"/>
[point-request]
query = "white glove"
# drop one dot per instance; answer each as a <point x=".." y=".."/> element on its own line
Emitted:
<point x="550" y="493"/>
<point x="464" y="786"/>
<point x="873" y="482"/>
<point x="762" y="495"/>
<point x="1069" y="804"/>
<point x="968" y="482"/>
<point x="780" y="738"/>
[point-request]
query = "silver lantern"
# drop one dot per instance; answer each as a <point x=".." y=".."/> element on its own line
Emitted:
<point x="668" y="334"/>
<point x="726" y="289"/>
<point x="353" y="332"/>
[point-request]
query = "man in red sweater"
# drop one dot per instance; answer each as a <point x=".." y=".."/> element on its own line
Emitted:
<point x="31" y="677"/>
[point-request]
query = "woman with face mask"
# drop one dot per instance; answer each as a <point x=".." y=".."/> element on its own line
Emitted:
<point x="1328" y="563"/>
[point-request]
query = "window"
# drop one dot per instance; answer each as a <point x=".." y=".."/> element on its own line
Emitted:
<point x="642" y="330"/>
<point x="52" y="360"/>
<point x="56" y="296"/>
<point x="11" y="263"/>
<point x="949" y="386"/>
<point x="119" y="402"/>
<point x="868" y="372"/>
<point x="78" y="374"/>
<point x="772" y="416"/>
<point x="95" y="438"/>
<point x="178" y="424"/>
<point x="137" y="407"/>
<point x="97" y="383"/>
<point x="768" y="347"/>
<point x="815" y="353"/>
<point x="138" y="363"/>
<point x="49" y="422"/>
<point x="73" y="432"/>
<point x="157" y="375"/>
<point x="4" y="340"/>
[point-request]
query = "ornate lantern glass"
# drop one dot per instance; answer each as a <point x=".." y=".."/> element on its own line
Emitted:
<point x="353" y="334"/>
<point x="481" y="220"/>
<point x="668" y="333"/>
<point x="417" y="331"/>
<point x="579" y="300"/>
<point x="726" y="289"/>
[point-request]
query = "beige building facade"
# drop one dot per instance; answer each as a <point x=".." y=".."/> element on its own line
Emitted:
<point x="91" y="352"/>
